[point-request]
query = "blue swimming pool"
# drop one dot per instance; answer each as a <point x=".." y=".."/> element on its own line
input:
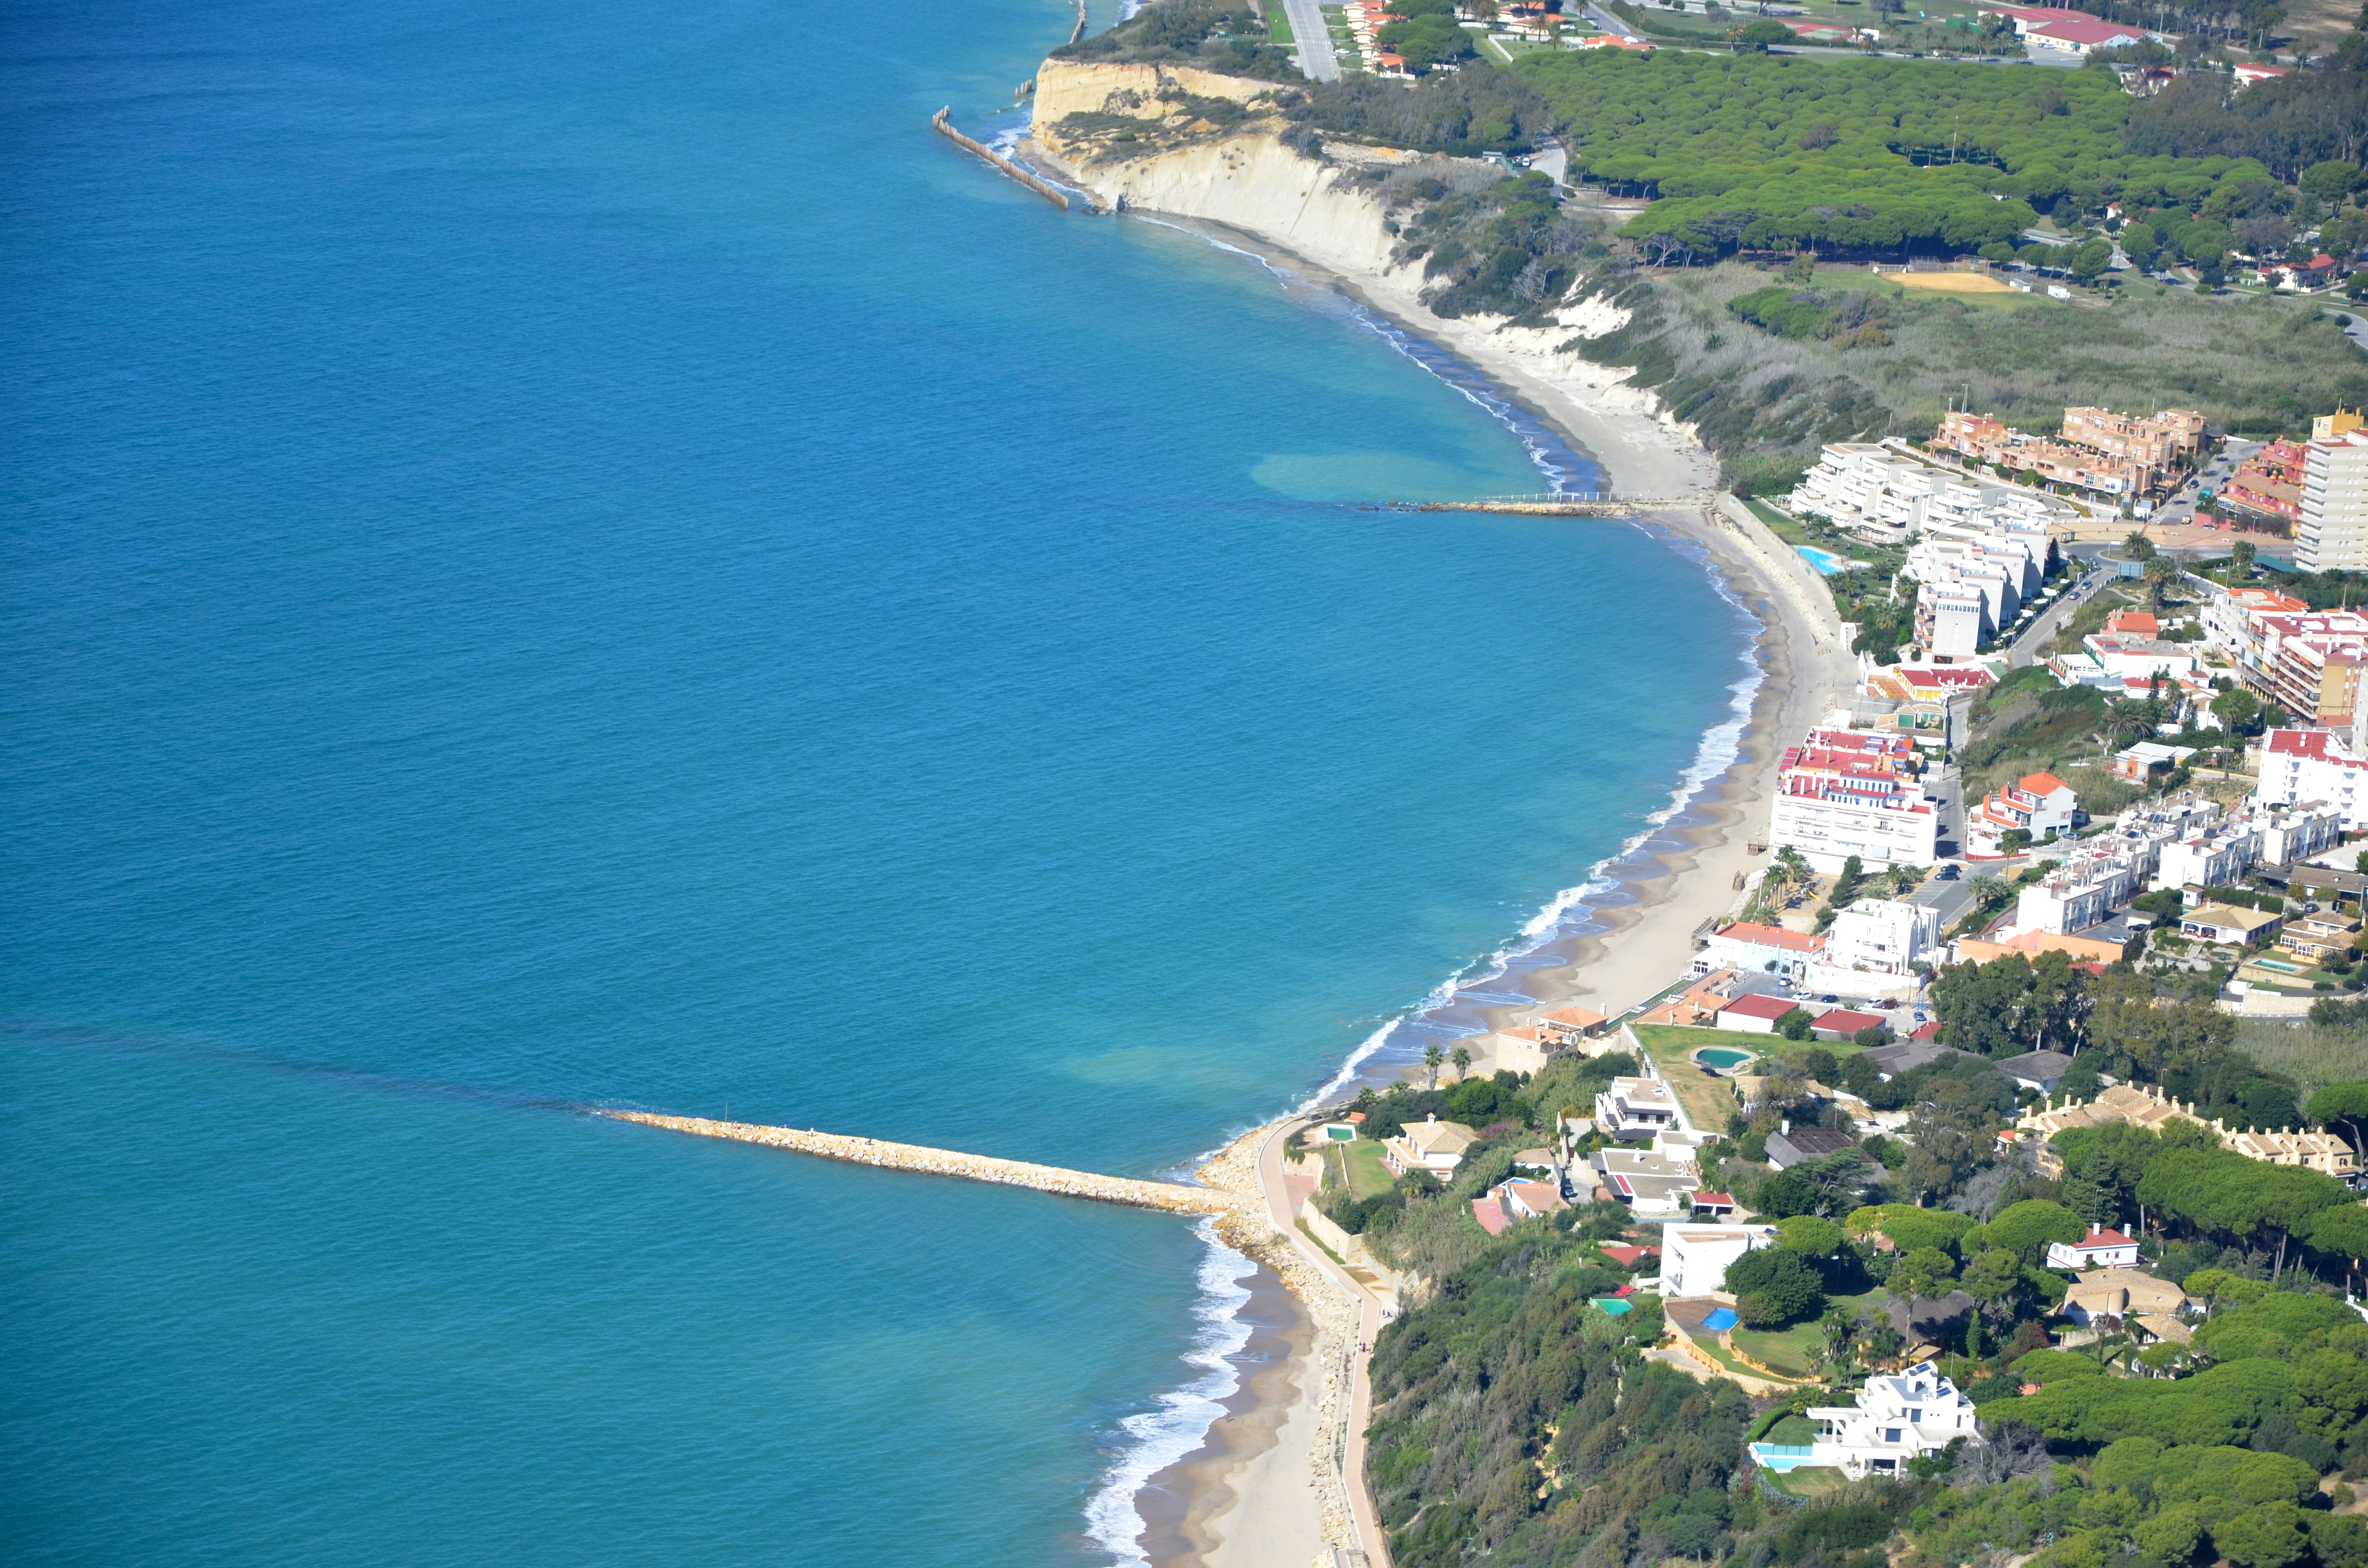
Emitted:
<point x="1720" y="1321"/>
<point x="1826" y="563"/>
<point x="1722" y="1057"/>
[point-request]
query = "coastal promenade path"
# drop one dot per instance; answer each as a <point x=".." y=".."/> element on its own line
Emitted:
<point x="1172" y="1197"/>
<point x="1346" y="1437"/>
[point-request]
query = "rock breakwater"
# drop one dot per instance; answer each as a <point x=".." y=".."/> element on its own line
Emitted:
<point x="1171" y="1197"/>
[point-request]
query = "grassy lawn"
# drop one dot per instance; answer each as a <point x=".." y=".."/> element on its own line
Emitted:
<point x="1809" y="1481"/>
<point x="1363" y="1159"/>
<point x="1277" y="25"/>
<point x="1793" y="1432"/>
<point x="1708" y="1101"/>
<point x="1709" y="1346"/>
<point x="1498" y="46"/>
<point x="1789" y="530"/>
<point x="1784" y="1351"/>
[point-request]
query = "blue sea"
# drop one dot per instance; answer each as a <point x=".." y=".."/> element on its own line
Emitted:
<point x="569" y="555"/>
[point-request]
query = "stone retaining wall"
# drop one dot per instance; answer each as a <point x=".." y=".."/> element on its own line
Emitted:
<point x="1171" y="1196"/>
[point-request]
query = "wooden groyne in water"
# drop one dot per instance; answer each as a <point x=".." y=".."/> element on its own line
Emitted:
<point x="1167" y="1196"/>
<point x="943" y="121"/>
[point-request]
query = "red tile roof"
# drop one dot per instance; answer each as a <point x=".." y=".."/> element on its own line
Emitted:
<point x="2076" y="28"/>
<point x="2313" y="743"/>
<point x="2042" y="783"/>
<point x="1770" y="936"/>
<point x="1756" y="1006"/>
<point x="1849" y="1022"/>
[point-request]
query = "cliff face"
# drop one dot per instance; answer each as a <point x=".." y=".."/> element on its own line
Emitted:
<point x="1246" y="179"/>
<point x="1255" y="183"/>
<point x="1068" y="86"/>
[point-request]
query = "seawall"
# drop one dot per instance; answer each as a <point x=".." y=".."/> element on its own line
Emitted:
<point x="943" y="124"/>
<point x="1169" y="1197"/>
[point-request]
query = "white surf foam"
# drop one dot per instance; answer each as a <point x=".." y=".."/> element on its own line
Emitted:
<point x="1181" y="1423"/>
<point x="1159" y="1438"/>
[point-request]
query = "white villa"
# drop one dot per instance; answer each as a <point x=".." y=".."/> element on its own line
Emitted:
<point x="1897" y="1419"/>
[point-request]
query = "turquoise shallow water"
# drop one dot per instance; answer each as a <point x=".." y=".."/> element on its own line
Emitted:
<point x="567" y="555"/>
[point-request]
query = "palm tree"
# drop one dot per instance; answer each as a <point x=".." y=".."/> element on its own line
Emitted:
<point x="1431" y="1057"/>
<point x="2160" y="572"/>
<point x="1462" y="1059"/>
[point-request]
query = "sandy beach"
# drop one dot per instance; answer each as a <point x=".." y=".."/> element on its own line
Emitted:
<point x="1245" y="1493"/>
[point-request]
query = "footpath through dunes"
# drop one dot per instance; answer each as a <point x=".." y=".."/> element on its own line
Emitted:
<point x="1171" y="1197"/>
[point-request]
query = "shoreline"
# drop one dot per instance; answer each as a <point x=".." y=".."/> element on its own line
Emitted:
<point x="1192" y="1511"/>
<point x="1641" y="907"/>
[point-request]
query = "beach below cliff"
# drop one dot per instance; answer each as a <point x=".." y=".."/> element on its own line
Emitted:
<point x="1299" y="217"/>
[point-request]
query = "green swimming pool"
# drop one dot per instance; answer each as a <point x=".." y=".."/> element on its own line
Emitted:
<point x="1722" y="1057"/>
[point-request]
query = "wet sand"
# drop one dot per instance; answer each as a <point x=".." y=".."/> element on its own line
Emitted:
<point x="1221" y="1505"/>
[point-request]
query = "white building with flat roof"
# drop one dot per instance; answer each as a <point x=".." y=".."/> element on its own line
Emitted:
<point x="2082" y="890"/>
<point x="1883" y="936"/>
<point x="1694" y="1257"/>
<point x="1895" y="1420"/>
<point x="2216" y="858"/>
<point x="2298" y="766"/>
<point x="1635" y="1110"/>
<point x="1951" y="619"/>
<point x="2332" y="535"/>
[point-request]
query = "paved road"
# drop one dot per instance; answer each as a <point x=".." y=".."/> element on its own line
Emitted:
<point x="2354" y="327"/>
<point x="2025" y="649"/>
<point x="2179" y="506"/>
<point x="1313" y="42"/>
<point x="1951" y="899"/>
<point x="1610" y="24"/>
<point x="1360" y="1414"/>
<point x="1948" y="793"/>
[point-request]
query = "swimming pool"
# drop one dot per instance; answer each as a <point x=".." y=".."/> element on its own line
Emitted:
<point x="1827" y="563"/>
<point x="1722" y="1058"/>
<point x="1720" y="1321"/>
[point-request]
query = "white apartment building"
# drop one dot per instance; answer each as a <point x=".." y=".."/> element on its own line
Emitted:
<point x="1946" y="549"/>
<point x="2314" y="766"/>
<point x="1895" y="1419"/>
<point x="2296" y="833"/>
<point x="2081" y="891"/>
<point x="1695" y="1258"/>
<point x="1875" y="491"/>
<point x="2141" y="831"/>
<point x="2333" y="532"/>
<point x="1865" y="487"/>
<point x="1883" y="936"/>
<point x="1883" y="823"/>
<point x="1951" y="619"/>
<point x="2217" y="858"/>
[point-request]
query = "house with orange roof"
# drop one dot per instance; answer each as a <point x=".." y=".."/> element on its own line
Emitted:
<point x="1570" y="1026"/>
<point x="2040" y="805"/>
<point x="2137" y="623"/>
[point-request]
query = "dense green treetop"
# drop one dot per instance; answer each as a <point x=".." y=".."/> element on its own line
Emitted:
<point x="1911" y="1227"/>
<point x="2026" y="1228"/>
<point x="1776" y="151"/>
